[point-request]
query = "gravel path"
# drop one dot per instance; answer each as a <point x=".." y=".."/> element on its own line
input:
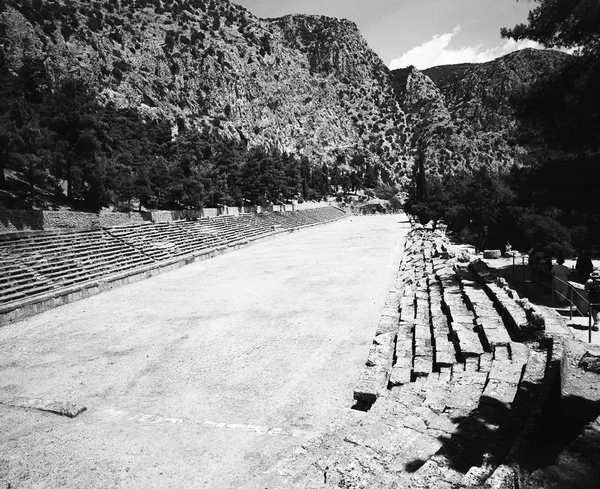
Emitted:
<point x="200" y="377"/>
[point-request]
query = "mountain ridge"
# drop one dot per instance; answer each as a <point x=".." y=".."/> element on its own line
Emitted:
<point x="303" y="85"/>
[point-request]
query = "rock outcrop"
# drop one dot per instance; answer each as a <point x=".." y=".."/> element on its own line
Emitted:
<point x="307" y="85"/>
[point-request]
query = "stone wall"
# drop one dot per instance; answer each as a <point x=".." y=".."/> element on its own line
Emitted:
<point x="18" y="220"/>
<point x="26" y="220"/>
<point x="168" y="216"/>
<point x="310" y="205"/>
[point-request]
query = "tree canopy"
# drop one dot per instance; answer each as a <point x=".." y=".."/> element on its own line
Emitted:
<point x="562" y="23"/>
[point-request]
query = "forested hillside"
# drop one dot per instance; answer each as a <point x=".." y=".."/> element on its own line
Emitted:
<point x="508" y="151"/>
<point x="197" y="103"/>
<point x="174" y="104"/>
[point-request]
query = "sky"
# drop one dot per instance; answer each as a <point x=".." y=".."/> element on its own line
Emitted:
<point x="422" y="33"/>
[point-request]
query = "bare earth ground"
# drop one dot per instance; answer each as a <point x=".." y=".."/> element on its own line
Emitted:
<point x="201" y="377"/>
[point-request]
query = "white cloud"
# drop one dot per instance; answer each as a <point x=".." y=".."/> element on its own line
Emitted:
<point x="437" y="52"/>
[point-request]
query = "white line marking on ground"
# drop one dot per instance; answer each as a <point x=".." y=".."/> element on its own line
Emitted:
<point x="145" y="418"/>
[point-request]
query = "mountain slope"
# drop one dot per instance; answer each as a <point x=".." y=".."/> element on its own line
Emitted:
<point x="469" y="115"/>
<point x="213" y="66"/>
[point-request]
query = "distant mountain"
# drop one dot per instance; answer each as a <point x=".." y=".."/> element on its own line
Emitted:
<point x="307" y="85"/>
<point x="489" y="94"/>
<point x="467" y="115"/>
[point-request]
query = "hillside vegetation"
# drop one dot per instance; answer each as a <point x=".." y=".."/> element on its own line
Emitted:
<point x="139" y="84"/>
<point x="197" y="103"/>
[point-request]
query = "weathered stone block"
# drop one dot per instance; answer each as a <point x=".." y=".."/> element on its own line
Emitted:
<point x="422" y="365"/>
<point x="386" y="324"/>
<point x="492" y="254"/>
<point x="468" y="340"/>
<point x="68" y="409"/>
<point x="371" y="384"/>
<point x="444" y="357"/>
<point x="400" y="375"/>
<point x="579" y="377"/>
<point x="498" y="391"/>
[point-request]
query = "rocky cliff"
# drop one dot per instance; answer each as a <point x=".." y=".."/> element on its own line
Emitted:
<point x="306" y="85"/>
<point x="466" y="116"/>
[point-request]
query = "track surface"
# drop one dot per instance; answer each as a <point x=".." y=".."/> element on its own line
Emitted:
<point x="201" y="377"/>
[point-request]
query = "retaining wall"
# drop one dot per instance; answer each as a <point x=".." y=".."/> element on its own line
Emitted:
<point x="24" y="220"/>
<point x="37" y="220"/>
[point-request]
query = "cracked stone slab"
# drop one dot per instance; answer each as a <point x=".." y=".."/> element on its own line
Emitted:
<point x="422" y="365"/>
<point x="468" y="339"/>
<point x="577" y="379"/>
<point x="62" y="408"/>
<point x="400" y="375"/>
<point x="371" y="383"/>
<point x="519" y="353"/>
<point x="386" y="324"/>
<point x="499" y="391"/>
<point x="444" y="357"/>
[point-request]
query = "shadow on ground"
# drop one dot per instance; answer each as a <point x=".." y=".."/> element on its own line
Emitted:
<point x="491" y="432"/>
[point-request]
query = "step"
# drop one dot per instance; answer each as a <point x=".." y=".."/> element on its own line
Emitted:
<point x="505" y="374"/>
<point x="4" y="299"/>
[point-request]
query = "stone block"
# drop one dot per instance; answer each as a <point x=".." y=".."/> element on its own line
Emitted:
<point x="494" y="331"/>
<point x="424" y="349"/>
<point x="400" y="375"/>
<point x="472" y="364"/>
<point x="67" y="409"/>
<point x="422" y="365"/>
<point x="506" y="371"/>
<point x="404" y="346"/>
<point x="498" y="391"/>
<point x="577" y="378"/>
<point x="444" y="357"/>
<point x="484" y="308"/>
<point x="501" y="353"/>
<point x="519" y="353"/>
<point x="391" y="311"/>
<point x="468" y="340"/>
<point x="485" y="362"/>
<point x="371" y="383"/>
<point x="503" y="478"/>
<point x="492" y="254"/>
<point x="393" y="300"/>
<point x="386" y="324"/>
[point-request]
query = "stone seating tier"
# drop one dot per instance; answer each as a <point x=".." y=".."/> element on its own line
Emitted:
<point x="35" y="264"/>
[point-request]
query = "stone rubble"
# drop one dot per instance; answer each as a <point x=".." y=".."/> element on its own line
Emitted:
<point x="448" y="384"/>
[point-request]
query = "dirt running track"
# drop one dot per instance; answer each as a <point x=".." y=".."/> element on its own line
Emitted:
<point x="200" y="377"/>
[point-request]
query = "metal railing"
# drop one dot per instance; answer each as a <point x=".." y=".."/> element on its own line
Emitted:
<point x="572" y="292"/>
<point x="590" y="305"/>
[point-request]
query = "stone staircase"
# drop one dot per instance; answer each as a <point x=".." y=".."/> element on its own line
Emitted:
<point x="450" y="392"/>
<point x="42" y="270"/>
<point x="40" y="263"/>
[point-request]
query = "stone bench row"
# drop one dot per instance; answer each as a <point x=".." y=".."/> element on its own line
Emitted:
<point x="34" y="265"/>
<point x="40" y="277"/>
<point x="413" y="336"/>
<point x="497" y="383"/>
<point x="523" y="319"/>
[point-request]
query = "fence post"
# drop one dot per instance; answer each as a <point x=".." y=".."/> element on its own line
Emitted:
<point x="589" y="322"/>
<point x="571" y="303"/>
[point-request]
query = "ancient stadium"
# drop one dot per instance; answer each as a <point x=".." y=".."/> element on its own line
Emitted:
<point x="313" y="349"/>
